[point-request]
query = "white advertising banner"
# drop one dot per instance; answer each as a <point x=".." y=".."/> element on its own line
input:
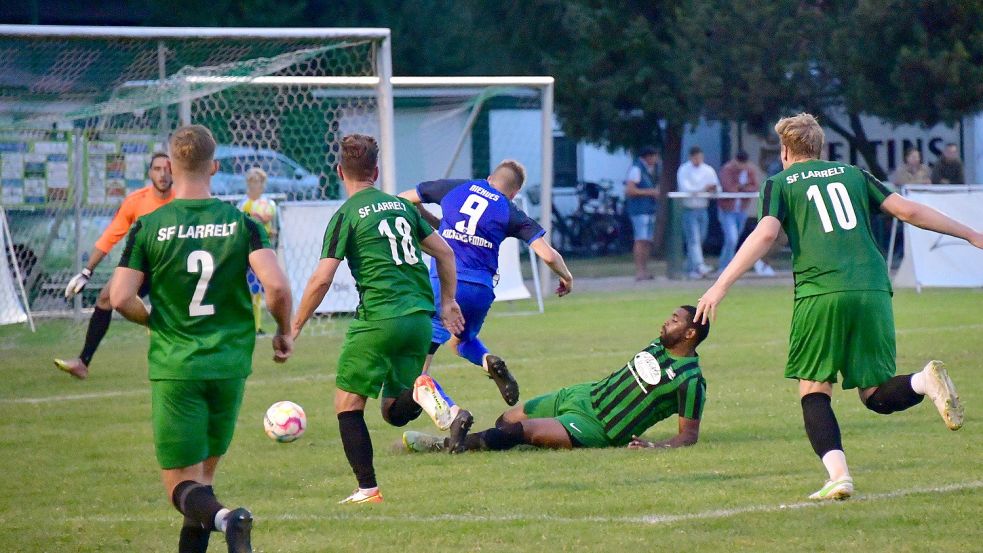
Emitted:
<point x="302" y="227"/>
<point x="938" y="259"/>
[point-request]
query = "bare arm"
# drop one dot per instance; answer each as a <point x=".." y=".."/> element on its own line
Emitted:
<point x="447" y="272"/>
<point x="278" y="300"/>
<point x="554" y="260"/>
<point x="632" y="190"/>
<point x="753" y="249"/>
<point x="123" y="290"/>
<point x="95" y="257"/>
<point x="317" y="287"/>
<point x="689" y="433"/>
<point x="929" y="218"/>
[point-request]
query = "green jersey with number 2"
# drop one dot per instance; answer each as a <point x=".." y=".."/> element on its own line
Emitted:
<point x="825" y="208"/>
<point x="195" y="254"/>
<point x="380" y="237"/>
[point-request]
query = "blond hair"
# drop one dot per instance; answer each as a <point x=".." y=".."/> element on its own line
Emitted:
<point x="193" y="148"/>
<point x="802" y="135"/>
<point x="359" y="156"/>
<point x="256" y="175"/>
<point x="517" y="176"/>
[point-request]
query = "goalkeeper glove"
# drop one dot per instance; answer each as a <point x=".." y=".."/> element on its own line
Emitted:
<point x="77" y="283"/>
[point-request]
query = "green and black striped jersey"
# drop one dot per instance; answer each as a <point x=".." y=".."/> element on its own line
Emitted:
<point x="651" y="387"/>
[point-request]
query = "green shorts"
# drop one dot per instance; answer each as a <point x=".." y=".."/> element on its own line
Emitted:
<point x="571" y="406"/>
<point x="384" y="355"/>
<point x="848" y="332"/>
<point x="194" y="419"/>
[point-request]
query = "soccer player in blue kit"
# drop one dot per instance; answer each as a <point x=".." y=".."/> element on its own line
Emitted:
<point x="478" y="215"/>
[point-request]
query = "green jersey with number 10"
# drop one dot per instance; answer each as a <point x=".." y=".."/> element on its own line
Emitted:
<point x="380" y="236"/>
<point x="195" y="254"/>
<point x="825" y="208"/>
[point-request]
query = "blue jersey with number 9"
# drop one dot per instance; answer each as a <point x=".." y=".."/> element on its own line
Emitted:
<point x="477" y="218"/>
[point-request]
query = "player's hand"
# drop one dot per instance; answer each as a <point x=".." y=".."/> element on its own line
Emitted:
<point x="77" y="284"/>
<point x="451" y="316"/>
<point x="977" y="240"/>
<point x="565" y="287"/>
<point x="638" y="443"/>
<point x="706" y="308"/>
<point x="283" y="347"/>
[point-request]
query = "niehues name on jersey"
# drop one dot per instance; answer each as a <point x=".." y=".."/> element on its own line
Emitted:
<point x="195" y="254"/>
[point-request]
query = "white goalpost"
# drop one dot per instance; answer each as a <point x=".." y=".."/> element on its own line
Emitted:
<point x="88" y="106"/>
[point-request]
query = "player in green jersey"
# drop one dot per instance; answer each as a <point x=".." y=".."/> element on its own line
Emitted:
<point x="381" y="236"/>
<point x="195" y="252"/>
<point x="842" y="319"/>
<point x="662" y="380"/>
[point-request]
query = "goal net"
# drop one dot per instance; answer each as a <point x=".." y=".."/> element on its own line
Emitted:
<point x="82" y="110"/>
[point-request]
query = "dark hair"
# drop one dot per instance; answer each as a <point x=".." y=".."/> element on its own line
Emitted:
<point x="695" y="150"/>
<point x="647" y="151"/>
<point x="742" y="156"/>
<point x="157" y="155"/>
<point x="359" y="156"/>
<point x="702" y="329"/>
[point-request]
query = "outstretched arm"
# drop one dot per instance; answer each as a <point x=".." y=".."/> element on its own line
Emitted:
<point x="450" y="311"/>
<point x="414" y="197"/>
<point x="689" y="433"/>
<point x="317" y="287"/>
<point x="754" y="248"/>
<point x="554" y="260"/>
<point x="929" y="218"/>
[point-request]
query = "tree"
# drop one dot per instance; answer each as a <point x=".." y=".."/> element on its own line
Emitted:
<point x="904" y="61"/>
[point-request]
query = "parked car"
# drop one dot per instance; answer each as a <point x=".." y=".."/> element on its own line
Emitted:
<point x="285" y="176"/>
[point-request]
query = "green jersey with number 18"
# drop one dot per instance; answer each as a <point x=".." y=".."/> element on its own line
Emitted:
<point x="825" y="208"/>
<point x="380" y="237"/>
<point x="195" y="254"/>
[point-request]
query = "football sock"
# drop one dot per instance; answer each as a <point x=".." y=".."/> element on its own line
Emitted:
<point x="197" y="503"/>
<point x="358" y="447"/>
<point x="473" y="350"/>
<point x="897" y="394"/>
<point x="98" y="326"/>
<point x="403" y="410"/>
<point x="220" y="522"/>
<point x="258" y="311"/>
<point x="835" y="463"/>
<point x="194" y="538"/>
<point x="820" y="423"/>
<point x="918" y="383"/>
<point x="501" y="438"/>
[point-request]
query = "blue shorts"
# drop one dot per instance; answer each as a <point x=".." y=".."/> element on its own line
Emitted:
<point x="643" y="226"/>
<point x="475" y="301"/>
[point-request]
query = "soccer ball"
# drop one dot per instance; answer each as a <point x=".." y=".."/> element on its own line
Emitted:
<point x="285" y="421"/>
<point x="263" y="207"/>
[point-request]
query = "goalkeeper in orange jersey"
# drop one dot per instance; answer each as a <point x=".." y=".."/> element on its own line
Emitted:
<point x="134" y="206"/>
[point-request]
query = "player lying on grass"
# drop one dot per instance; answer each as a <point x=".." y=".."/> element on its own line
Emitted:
<point x="383" y="238"/>
<point x="842" y="318"/>
<point x="661" y="380"/>
<point x="478" y="215"/>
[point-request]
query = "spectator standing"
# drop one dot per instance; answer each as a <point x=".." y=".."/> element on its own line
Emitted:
<point x="737" y="175"/>
<point x="263" y="210"/>
<point x="696" y="176"/>
<point x="641" y="202"/>
<point x="949" y="168"/>
<point x="912" y="171"/>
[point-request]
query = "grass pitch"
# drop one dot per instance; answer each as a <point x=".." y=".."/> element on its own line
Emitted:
<point x="80" y="475"/>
